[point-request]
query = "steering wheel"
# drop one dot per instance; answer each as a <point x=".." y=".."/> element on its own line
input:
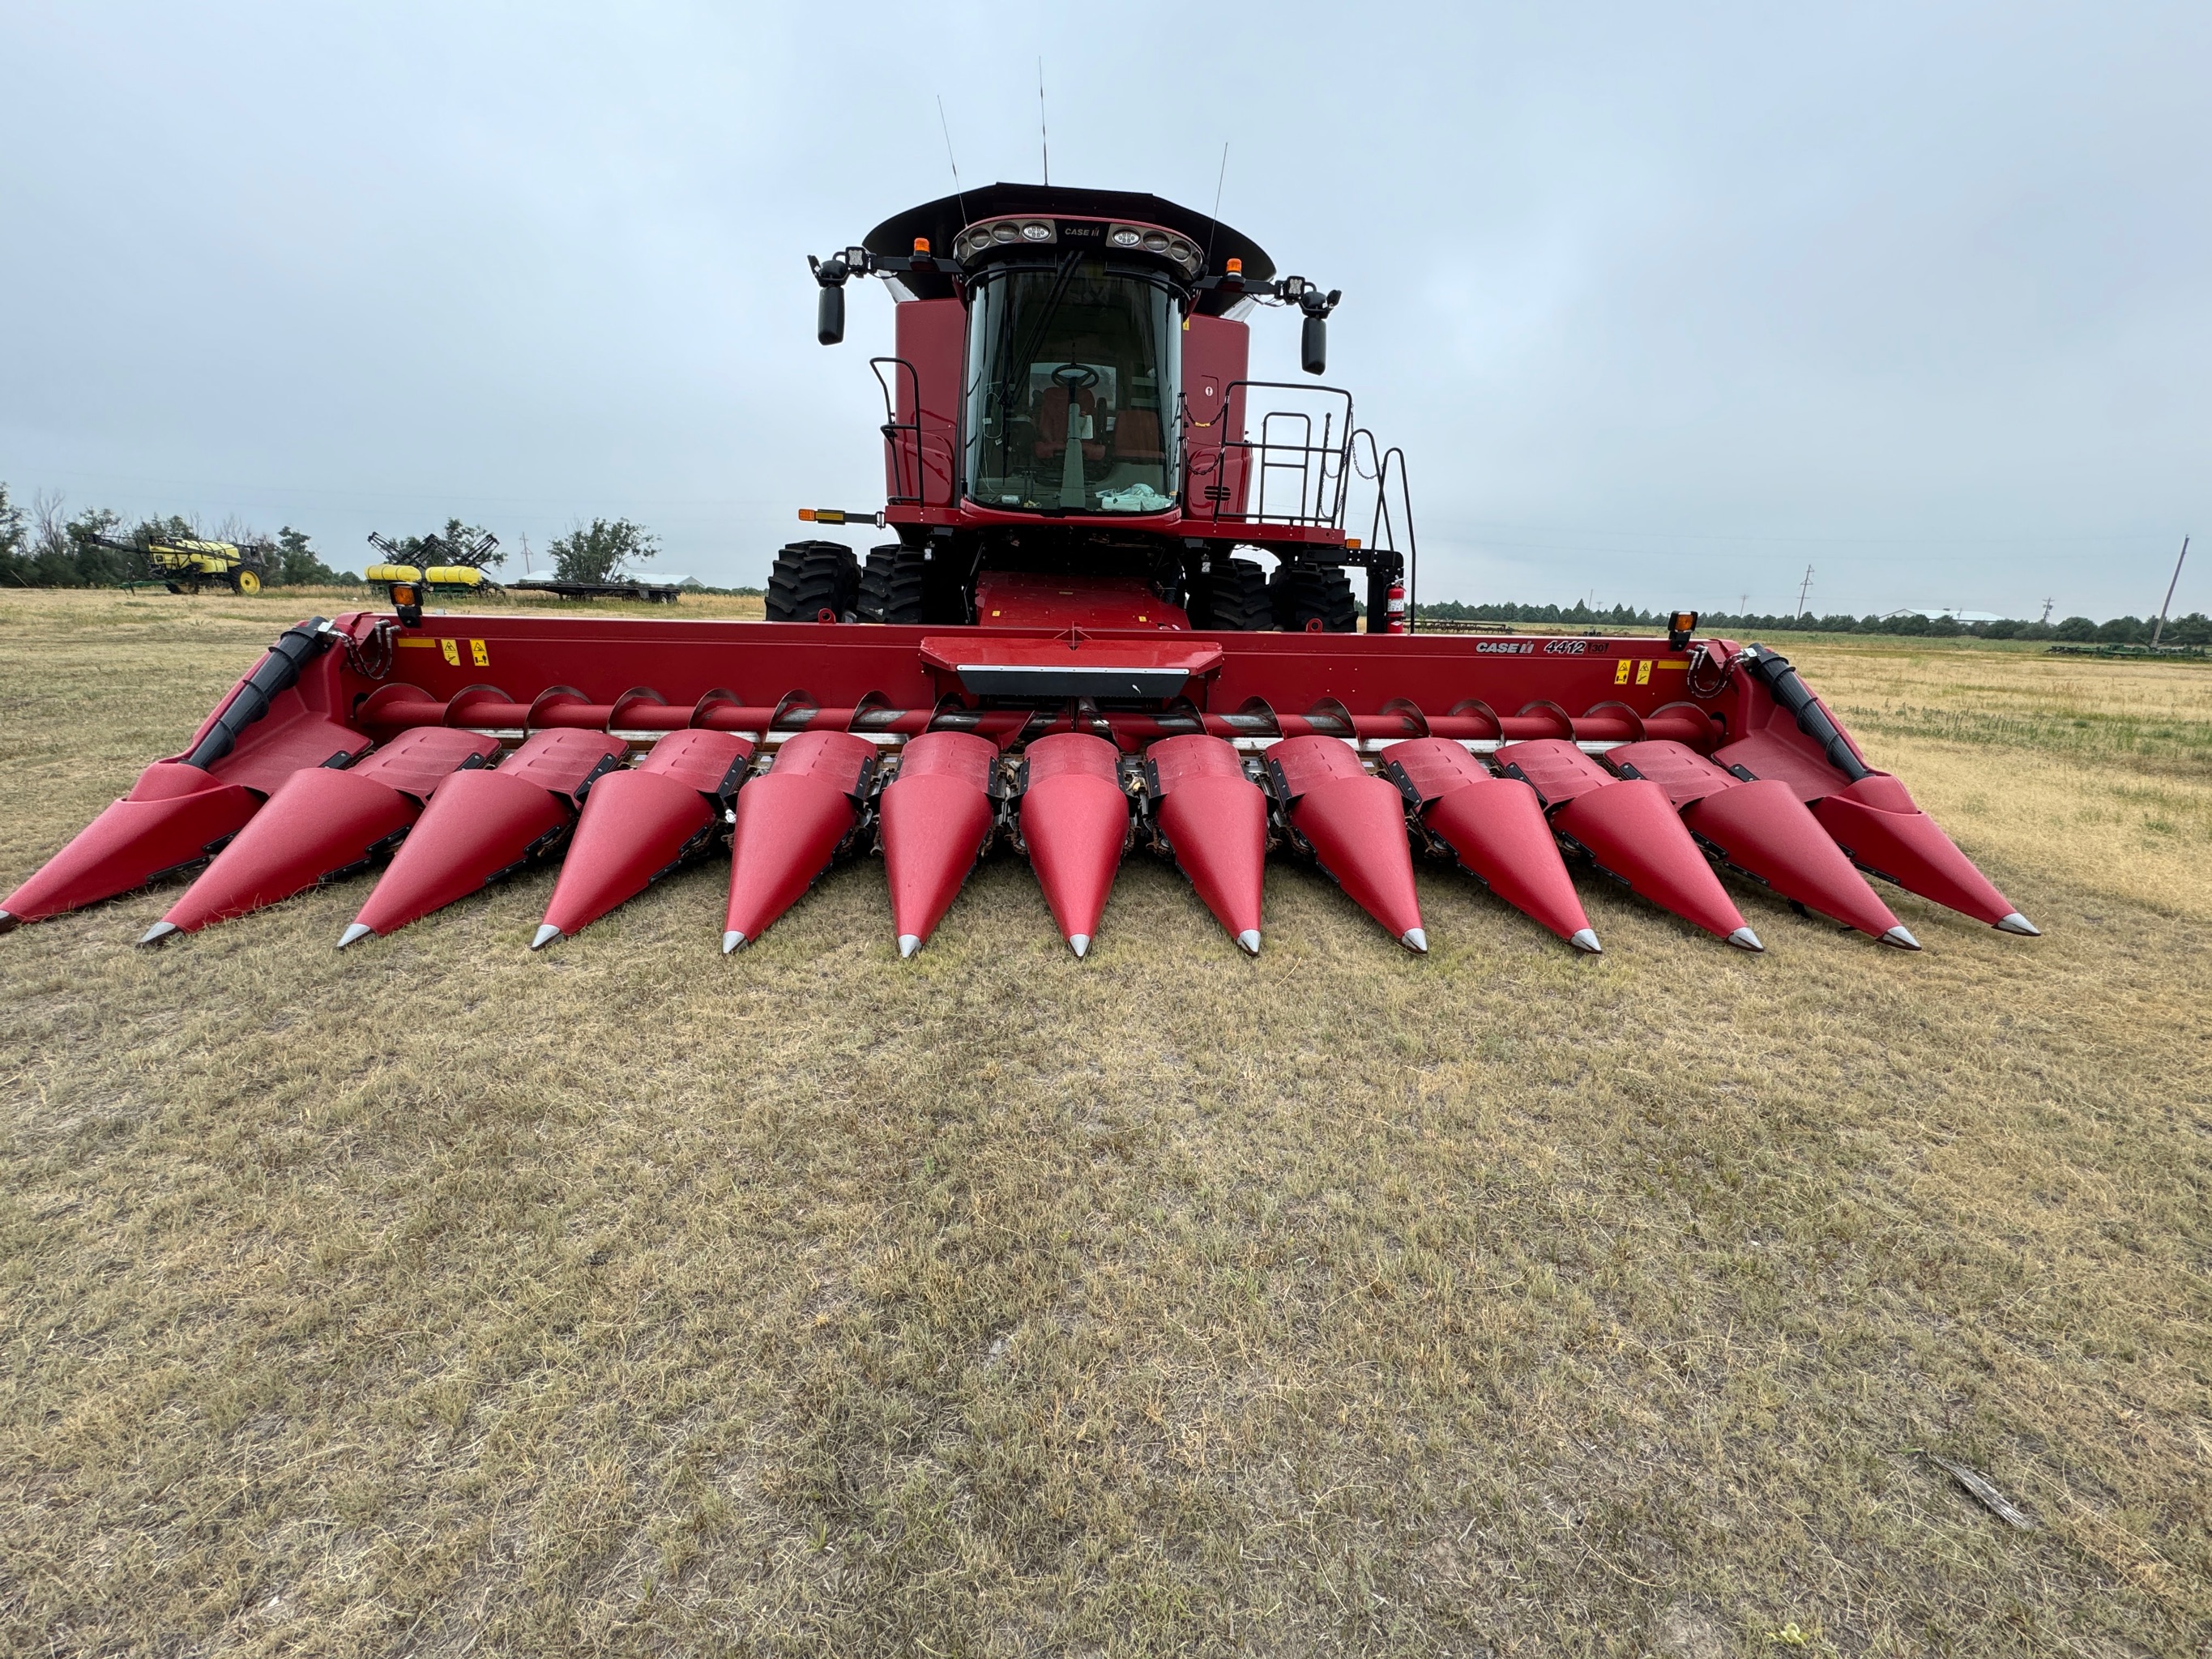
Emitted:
<point x="1073" y="377"/>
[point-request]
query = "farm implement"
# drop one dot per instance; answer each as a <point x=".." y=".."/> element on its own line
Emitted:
<point x="1069" y="650"/>
<point x="184" y="564"/>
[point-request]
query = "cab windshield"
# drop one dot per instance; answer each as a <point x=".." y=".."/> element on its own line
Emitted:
<point x="1072" y="389"/>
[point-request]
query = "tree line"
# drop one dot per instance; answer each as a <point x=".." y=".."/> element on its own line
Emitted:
<point x="2195" y="628"/>
<point x="44" y="545"/>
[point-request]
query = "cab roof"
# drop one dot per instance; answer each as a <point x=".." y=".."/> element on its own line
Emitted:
<point x="943" y="219"/>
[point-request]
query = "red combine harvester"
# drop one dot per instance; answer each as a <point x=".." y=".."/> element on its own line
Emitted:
<point x="1067" y="647"/>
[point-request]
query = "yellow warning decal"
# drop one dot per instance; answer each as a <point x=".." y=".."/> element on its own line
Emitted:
<point x="415" y="645"/>
<point x="1620" y="672"/>
<point x="479" y="654"/>
<point x="1666" y="667"/>
<point x="1644" y="671"/>
<point x="452" y="650"/>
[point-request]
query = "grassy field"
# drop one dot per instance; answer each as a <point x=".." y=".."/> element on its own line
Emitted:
<point x="442" y="1298"/>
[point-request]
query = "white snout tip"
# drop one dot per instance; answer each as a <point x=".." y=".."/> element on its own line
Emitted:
<point x="1250" y="938"/>
<point x="1415" y="939"/>
<point x="157" y="932"/>
<point x="546" y="935"/>
<point x="2017" y="923"/>
<point x="1080" y="943"/>
<point x="1586" y="939"/>
<point x="359" y="930"/>
<point x="730" y="941"/>
<point x="1744" y="939"/>
<point x="909" y="944"/>
<point x="1901" y="937"/>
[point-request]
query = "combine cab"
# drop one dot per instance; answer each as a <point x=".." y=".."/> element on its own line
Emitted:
<point x="1072" y="437"/>
<point x="1071" y="649"/>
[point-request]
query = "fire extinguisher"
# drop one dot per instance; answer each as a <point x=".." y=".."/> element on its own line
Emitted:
<point x="1395" y="608"/>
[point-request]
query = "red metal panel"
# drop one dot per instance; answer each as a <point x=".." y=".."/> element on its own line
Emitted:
<point x="837" y="666"/>
<point x="1216" y="353"/>
<point x="1021" y="598"/>
<point x="931" y="336"/>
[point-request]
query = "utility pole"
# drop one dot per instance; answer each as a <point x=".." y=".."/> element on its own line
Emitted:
<point x="2047" y="604"/>
<point x="2170" y="587"/>
<point x="1803" y="588"/>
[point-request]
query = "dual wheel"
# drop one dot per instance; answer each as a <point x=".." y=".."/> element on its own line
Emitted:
<point x="899" y="586"/>
<point x="810" y="579"/>
<point x="1240" y="597"/>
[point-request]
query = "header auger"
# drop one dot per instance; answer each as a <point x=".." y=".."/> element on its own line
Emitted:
<point x="1067" y="651"/>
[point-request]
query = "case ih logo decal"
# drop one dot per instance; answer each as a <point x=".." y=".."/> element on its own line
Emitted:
<point x="1527" y="648"/>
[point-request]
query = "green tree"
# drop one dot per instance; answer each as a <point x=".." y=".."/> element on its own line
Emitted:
<point x="14" y="536"/>
<point x="2080" y="629"/>
<point x="597" y="553"/>
<point x="292" y="562"/>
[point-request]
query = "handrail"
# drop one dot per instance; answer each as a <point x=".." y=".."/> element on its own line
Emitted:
<point x="900" y="496"/>
<point x="1323" y="468"/>
<point x="1382" y="531"/>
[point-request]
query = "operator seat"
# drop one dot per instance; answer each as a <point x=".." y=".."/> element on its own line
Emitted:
<point x="1052" y="423"/>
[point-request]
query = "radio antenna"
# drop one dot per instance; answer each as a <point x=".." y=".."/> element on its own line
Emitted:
<point x="946" y="127"/>
<point x="1220" y="178"/>
<point x="1044" y="140"/>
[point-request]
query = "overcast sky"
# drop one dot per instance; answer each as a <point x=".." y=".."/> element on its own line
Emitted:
<point x="1664" y="303"/>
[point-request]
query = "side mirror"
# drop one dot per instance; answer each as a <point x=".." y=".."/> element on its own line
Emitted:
<point x="1313" y="344"/>
<point x="830" y="314"/>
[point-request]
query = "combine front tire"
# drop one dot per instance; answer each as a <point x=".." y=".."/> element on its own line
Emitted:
<point x="895" y="586"/>
<point x="1304" y="594"/>
<point x="811" y="577"/>
<point x="1236" y="598"/>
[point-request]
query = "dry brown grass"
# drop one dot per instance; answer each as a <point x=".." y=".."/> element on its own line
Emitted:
<point x="442" y="1298"/>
